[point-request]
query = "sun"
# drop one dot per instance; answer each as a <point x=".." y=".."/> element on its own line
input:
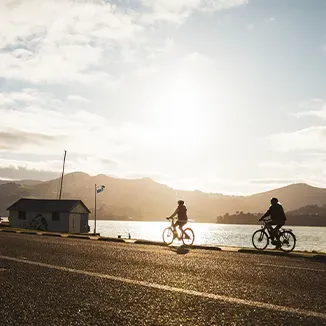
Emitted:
<point x="179" y="110"/>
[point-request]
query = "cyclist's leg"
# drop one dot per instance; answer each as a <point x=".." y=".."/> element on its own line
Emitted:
<point x="270" y="229"/>
<point x="181" y="225"/>
<point x="277" y="235"/>
<point x="273" y="232"/>
<point x="277" y="227"/>
<point x="174" y="225"/>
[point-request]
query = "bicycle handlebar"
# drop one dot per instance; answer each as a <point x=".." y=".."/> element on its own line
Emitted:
<point x="264" y="220"/>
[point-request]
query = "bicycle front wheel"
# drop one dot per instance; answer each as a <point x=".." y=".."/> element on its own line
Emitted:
<point x="168" y="235"/>
<point x="260" y="240"/>
<point x="288" y="240"/>
<point x="188" y="237"/>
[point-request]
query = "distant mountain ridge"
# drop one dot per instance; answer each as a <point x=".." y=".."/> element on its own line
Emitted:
<point x="145" y="199"/>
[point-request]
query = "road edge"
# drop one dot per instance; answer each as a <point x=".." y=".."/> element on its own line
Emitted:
<point x="320" y="257"/>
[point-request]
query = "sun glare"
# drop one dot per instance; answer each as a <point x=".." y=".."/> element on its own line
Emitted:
<point x="180" y="112"/>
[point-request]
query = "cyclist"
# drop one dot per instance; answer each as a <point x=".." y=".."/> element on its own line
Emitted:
<point x="278" y="218"/>
<point x="182" y="220"/>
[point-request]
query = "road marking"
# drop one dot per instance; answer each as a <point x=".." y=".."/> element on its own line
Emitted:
<point x="217" y="297"/>
<point x="294" y="267"/>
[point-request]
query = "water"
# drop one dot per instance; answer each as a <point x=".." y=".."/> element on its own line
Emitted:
<point x="308" y="238"/>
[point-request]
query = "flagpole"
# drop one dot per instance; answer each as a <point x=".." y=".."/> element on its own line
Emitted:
<point x="95" y="213"/>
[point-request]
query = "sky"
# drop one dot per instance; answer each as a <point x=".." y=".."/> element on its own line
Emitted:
<point x="225" y="96"/>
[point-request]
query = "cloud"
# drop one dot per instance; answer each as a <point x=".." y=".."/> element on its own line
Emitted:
<point x="272" y="181"/>
<point x="77" y="98"/>
<point x="17" y="139"/>
<point x="311" y="138"/>
<point x="317" y="108"/>
<point x="92" y="73"/>
<point x="178" y="11"/>
<point x="307" y="168"/>
<point x="74" y="41"/>
<point x="16" y="172"/>
<point x="250" y="27"/>
<point x="43" y="167"/>
<point x="61" y="41"/>
<point x="90" y="135"/>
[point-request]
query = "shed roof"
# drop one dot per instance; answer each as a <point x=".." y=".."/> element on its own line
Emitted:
<point x="45" y="205"/>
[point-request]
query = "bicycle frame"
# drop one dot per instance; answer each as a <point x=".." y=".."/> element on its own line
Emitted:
<point x="266" y="227"/>
<point x="176" y="228"/>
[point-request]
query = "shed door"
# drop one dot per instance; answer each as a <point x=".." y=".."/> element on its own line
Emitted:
<point x="74" y="223"/>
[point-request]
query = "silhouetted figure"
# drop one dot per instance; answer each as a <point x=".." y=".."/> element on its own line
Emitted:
<point x="181" y="212"/>
<point x="278" y="218"/>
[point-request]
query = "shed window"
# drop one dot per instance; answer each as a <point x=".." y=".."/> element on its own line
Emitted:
<point x="22" y="215"/>
<point x="55" y="216"/>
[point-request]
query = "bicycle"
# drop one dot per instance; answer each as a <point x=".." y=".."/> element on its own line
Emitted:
<point x="285" y="238"/>
<point x="170" y="234"/>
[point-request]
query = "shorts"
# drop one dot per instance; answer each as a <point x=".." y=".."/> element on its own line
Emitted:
<point x="277" y="223"/>
<point x="180" y="223"/>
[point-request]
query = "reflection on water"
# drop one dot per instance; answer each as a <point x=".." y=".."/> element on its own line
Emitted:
<point x="308" y="238"/>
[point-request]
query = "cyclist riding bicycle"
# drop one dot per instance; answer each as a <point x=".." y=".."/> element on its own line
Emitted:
<point x="278" y="218"/>
<point x="181" y="211"/>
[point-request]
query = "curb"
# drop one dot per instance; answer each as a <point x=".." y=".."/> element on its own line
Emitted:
<point x="319" y="258"/>
<point x="9" y="231"/>
<point x="52" y="235"/>
<point x="110" y="239"/>
<point x="78" y="237"/>
<point x="202" y="247"/>
<point x="263" y="252"/>
<point x="149" y="242"/>
<point x="29" y="232"/>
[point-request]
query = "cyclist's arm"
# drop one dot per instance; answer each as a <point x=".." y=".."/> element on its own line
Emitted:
<point x="175" y="213"/>
<point x="268" y="213"/>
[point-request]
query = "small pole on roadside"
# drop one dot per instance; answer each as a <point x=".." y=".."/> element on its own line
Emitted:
<point x="95" y="213"/>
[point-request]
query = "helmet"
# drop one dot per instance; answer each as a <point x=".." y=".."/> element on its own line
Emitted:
<point x="274" y="200"/>
<point x="180" y="202"/>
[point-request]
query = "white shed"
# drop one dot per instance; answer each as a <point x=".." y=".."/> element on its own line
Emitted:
<point x="50" y="215"/>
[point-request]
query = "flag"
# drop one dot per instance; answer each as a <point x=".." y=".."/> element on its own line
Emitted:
<point x="100" y="189"/>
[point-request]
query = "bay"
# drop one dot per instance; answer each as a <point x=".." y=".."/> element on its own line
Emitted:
<point x="308" y="238"/>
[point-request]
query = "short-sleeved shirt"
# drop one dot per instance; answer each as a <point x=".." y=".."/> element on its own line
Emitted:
<point x="182" y="213"/>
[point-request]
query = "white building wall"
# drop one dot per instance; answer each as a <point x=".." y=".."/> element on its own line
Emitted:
<point x="78" y="219"/>
<point x="79" y="209"/>
<point x="41" y="220"/>
<point x="74" y="223"/>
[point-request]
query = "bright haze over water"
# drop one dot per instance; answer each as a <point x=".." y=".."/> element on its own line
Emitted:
<point x="226" y="96"/>
<point x="308" y="238"/>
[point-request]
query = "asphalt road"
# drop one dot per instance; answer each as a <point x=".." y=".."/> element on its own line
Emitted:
<point x="55" y="281"/>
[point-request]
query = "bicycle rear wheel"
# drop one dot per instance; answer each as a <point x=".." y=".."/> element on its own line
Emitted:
<point x="260" y="240"/>
<point x="288" y="240"/>
<point x="188" y="237"/>
<point x="168" y="235"/>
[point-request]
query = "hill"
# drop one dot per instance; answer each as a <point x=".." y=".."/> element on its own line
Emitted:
<point x="145" y="199"/>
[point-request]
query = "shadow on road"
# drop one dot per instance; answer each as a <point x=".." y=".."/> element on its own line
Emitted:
<point x="181" y="250"/>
